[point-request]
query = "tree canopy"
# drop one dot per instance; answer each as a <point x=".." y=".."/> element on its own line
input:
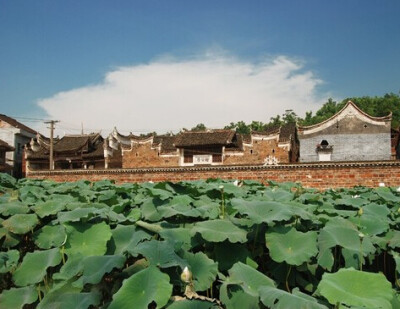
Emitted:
<point x="374" y="106"/>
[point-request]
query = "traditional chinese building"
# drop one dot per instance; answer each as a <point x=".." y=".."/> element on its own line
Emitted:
<point x="349" y="135"/>
<point x="86" y="151"/>
<point x="4" y="166"/>
<point x="16" y="135"/>
<point x="210" y="147"/>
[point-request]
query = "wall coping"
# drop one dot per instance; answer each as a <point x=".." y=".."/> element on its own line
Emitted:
<point x="186" y="169"/>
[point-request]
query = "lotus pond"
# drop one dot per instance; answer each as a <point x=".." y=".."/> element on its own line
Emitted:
<point x="197" y="245"/>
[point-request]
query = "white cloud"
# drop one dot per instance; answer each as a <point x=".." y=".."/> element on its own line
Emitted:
<point x="168" y="94"/>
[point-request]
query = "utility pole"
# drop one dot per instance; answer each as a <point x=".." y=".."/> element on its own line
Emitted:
<point x="52" y="123"/>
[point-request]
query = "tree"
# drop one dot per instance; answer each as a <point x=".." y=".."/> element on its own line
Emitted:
<point x="199" y="127"/>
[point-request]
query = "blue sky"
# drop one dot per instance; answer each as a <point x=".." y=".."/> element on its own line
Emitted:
<point x="55" y="57"/>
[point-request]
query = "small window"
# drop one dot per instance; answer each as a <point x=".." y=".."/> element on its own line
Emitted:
<point x="365" y="126"/>
<point x="251" y="151"/>
<point x="137" y="154"/>
<point x="273" y="150"/>
<point x="324" y="142"/>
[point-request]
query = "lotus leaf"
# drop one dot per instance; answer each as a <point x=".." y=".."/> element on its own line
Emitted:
<point x="76" y="300"/>
<point x="278" y="194"/>
<point x="7" y="181"/>
<point x="192" y="304"/>
<point x="149" y="210"/>
<point x="159" y="253"/>
<point x="387" y="195"/>
<point x="77" y="214"/>
<point x="34" y="265"/>
<point x="87" y="239"/>
<point x="240" y="289"/>
<point x="263" y="211"/>
<point x="141" y="289"/>
<point x="13" y="208"/>
<point x="48" y="208"/>
<point x="8" y="260"/>
<point x="371" y="224"/>
<point x="127" y="237"/>
<point x="204" y="270"/>
<point x="50" y="236"/>
<point x="134" y="215"/>
<point x="21" y="223"/>
<point x="16" y="298"/>
<point x="233" y="297"/>
<point x="71" y="268"/>
<point x="341" y="232"/>
<point x="291" y="246"/>
<point x="356" y="288"/>
<point x="10" y="240"/>
<point x="30" y="194"/>
<point x="394" y="240"/>
<point x="225" y="258"/>
<point x="351" y="202"/>
<point x="251" y="279"/>
<point x="219" y="230"/>
<point x="180" y="236"/>
<point x="95" y="267"/>
<point x="278" y="299"/>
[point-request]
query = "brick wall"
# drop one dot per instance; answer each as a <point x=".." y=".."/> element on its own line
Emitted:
<point x="314" y="175"/>
<point x="257" y="153"/>
<point x="143" y="155"/>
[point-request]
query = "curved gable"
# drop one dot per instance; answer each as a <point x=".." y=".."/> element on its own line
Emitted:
<point x="350" y="112"/>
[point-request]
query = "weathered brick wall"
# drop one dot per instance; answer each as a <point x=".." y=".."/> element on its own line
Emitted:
<point x="143" y="155"/>
<point x="257" y="153"/>
<point x="315" y="175"/>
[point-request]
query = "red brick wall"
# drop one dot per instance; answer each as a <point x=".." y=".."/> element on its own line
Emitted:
<point x="257" y="153"/>
<point x="315" y="175"/>
<point x="142" y="155"/>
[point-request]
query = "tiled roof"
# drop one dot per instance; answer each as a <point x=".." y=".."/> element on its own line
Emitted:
<point x="6" y="146"/>
<point x="73" y="143"/>
<point x="166" y="142"/>
<point x="90" y="145"/>
<point x="16" y="124"/>
<point x="204" y="138"/>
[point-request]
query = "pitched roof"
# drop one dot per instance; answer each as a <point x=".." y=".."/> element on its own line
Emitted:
<point x="73" y="143"/>
<point x="6" y="146"/>
<point x="90" y="145"/>
<point x="16" y="124"/>
<point x="204" y="138"/>
<point x="349" y="107"/>
<point x="166" y="143"/>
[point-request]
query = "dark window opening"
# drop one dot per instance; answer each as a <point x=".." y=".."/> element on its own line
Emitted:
<point x="251" y="151"/>
<point x="273" y="150"/>
<point x="324" y="143"/>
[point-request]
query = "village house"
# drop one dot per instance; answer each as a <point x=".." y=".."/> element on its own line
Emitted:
<point x="210" y="147"/>
<point x="85" y="151"/>
<point x="395" y="143"/>
<point x="16" y="135"/>
<point x="4" y="166"/>
<point x="349" y="135"/>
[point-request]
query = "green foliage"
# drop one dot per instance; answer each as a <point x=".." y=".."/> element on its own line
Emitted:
<point x="18" y="297"/>
<point x="356" y="288"/>
<point x="99" y="244"/>
<point x="34" y="265"/>
<point x="291" y="246"/>
<point x="143" y="288"/>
